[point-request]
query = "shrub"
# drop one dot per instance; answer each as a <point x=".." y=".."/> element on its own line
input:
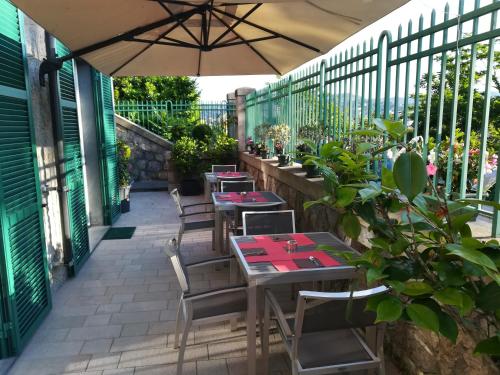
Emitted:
<point x="124" y="153"/>
<point x="222" y="150"/>
<point x="181" y="128"/>
<point x="202" y="133"/>
<point x="186" y="156"/>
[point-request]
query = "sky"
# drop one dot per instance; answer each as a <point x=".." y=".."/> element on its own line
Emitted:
<point x="216" y="88"/>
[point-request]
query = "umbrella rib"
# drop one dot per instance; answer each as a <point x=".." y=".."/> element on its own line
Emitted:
<point x="175" y="43"/>
<point x="181" y="24"/>
<point x="127" y="35"/>
<point x="246" y="15"/>
<point x="232" y="43"/>
<point x="144" y="49"/>
<point x="249" y="46"/>
<point x="292" y="40"/>
<point x="354" y="20"/>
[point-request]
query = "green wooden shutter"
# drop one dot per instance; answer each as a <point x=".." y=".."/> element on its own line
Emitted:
<point x="25" y="287"/>
<point x="107" y="138"/>
<point x="73" y="163"/>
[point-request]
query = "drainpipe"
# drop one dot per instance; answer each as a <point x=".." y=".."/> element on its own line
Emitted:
<point x="57" y="129"/>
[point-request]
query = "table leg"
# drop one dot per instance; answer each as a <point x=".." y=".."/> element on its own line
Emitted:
<point x="251" y="329"/>
<point x="207" y="190"/>
<point x="219" y="235"/>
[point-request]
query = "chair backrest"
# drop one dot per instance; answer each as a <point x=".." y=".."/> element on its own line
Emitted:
<point x="319" y="311"/>
<point x="172" y="251"/>
<point x="268" y="222"/>
<point x="240" y="208"/>
<point x="237" y="186"/>
<point x="177" y="199"/>
<point x="223" y="168"/>
<point x="221" y="179"/>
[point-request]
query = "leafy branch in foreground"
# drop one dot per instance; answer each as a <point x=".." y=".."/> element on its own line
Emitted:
<point x="421" y="243"/>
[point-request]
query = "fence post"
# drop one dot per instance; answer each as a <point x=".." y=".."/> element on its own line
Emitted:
<point x="322" y="106"/>
<point x="240" y="98"/>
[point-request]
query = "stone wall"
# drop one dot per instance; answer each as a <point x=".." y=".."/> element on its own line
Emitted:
<point x="415" y="351"/>
<point x="150" y="153"/>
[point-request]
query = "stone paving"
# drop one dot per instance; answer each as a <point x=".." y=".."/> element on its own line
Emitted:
<point x="117" y="316"/>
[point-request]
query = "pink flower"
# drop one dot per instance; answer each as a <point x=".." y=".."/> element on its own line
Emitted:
<point x="431" y="169"/>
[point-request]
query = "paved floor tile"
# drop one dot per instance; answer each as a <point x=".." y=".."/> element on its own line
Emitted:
<point x="134" y="329"/>
<point x="138" y="342"/>
<point x="135" y="317"/>
<point x="104" y="361"/>
<point x="94" y="333"/>
<point x="96" y="346"/>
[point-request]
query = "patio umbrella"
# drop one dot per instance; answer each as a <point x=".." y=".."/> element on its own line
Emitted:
<point x="170" y="37"/>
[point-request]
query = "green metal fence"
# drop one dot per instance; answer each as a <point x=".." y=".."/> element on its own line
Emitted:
<point x="412" y="76"/>
<point x="158" y="117"/>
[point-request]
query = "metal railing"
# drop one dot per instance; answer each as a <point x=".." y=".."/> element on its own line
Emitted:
<point x="159" y="117"/>
<point x="413" y="77"/>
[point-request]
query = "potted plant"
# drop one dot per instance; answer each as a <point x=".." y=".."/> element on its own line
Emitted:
<point x="280" y="135"/>
<point x="261" y="134"/>
<point x="421" y="245"/>
<point x="186" y="157"/>
<point x="250" y="145"/>
<point x="125" y="182"/>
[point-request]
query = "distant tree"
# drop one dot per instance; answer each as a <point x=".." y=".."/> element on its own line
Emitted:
<point x="463" y="88"/>
<point x="156" y="88"/>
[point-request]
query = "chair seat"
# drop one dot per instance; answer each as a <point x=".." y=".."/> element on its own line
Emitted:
<point x="329" y="348"/>
<point x="220" y="304"/>
<point x="199" y="225"/>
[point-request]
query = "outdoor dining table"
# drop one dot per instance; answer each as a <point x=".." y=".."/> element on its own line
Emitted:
<point x="226" y="201"/>
<point x="210" y="179"/>
<point x="265" y="260"/>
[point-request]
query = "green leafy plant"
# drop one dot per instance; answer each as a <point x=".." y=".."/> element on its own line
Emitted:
<point x="124" y="153"/>
<point x="222" y="150"/>
<point x="181" y="127"/>
<point x="420" y="244"/>
<point x="280" y="135"/>
<point x="202" y="133"/>
<point x="186" y="156"/>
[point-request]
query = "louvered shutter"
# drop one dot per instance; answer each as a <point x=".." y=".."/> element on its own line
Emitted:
<point x="73" y="163"/>
<point x="25" y="287"/>
<point x="107" y="138"/>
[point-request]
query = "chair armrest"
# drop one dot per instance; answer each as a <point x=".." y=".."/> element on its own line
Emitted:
<point x="197" y="213"/>
<point x="280" y="316"/>
<point x="214" y="292"/>
<point x="197" y="204"/>
<point x="210" y="261"/>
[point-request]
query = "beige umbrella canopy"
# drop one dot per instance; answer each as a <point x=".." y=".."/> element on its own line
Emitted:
<point x="170" y="37"/>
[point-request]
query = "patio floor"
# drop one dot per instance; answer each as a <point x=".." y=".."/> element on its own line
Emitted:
<point x="117" y="316"/>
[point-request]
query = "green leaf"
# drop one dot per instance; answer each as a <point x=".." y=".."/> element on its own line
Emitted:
<point x="395" y="128"/>
<point x="488" y="298"/>
<point x="481" y="202"/>
<point x="489" y="346"/>
<point x="455" y="297"/>
<point x="398" y="286"/>
<point x="423" y="316"/>
<point x="370" y="192"/>
<point x="363" y="147"/>
<point x="410" y="174"/>
<point x="417" y="288"/>
<point x="474" y="256"/>
<point x="458" y="221"/>
<point x="367" y="133"/>
<point x="351" y="225"/>
<point x="448" y="327"/>
<point x="389" y="310"/>
<point x="374" y="274"/>
<point x="309" y="204"/>
<point x="388" y="179"/>
<point x="345" y="196"/>
<point x="372" y="303"/>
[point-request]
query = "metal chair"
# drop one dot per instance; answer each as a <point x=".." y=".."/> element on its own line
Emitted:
<point x="268" y="222"/>
<point x="193" y="226"/>
<point x="329" y="333"/>
<point x="237" y="186"/>
<point x="221" y="179"/>
<point x="224" y="168"/>
<point x="234" y="219"/>
<point x="206" y="307"/>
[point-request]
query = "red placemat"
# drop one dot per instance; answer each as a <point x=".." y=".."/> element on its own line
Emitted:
<point x="252" y="196"/>
<point x="228" y="174"/>
<point x="278" y="255"/>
